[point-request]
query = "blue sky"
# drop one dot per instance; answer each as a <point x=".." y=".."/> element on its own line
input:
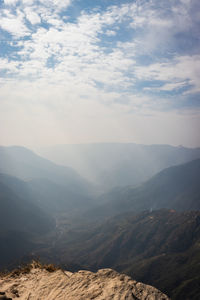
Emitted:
<point x="76" y="71"/>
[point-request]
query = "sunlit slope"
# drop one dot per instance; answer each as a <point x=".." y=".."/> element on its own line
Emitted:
<point x="51" y="283"/>
<point x="176" y="188"/>
<point x="115" y="164"/>
<point x="160" y="248"/>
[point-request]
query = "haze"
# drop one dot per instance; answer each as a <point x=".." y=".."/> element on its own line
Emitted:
<point x="106" y="71"/>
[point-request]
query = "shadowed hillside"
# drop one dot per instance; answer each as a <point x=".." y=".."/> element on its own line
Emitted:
<point x="21" y="220"/>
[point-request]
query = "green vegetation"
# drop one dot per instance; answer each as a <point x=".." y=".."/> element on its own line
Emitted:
<point x="160" y="248"/>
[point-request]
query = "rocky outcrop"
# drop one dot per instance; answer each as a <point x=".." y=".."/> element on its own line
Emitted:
<point x="39" y="284"/>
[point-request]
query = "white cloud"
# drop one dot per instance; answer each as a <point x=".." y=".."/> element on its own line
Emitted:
<point x="76" y="49"/>
<point x="110" y="32"/>
<point x="10" y="2"/>
<point x="15" y="26"/>
<point x="181" y="69"/>
<point x="169" y="86"/>
<point x="56" y="5"/>
<point x="28" y="2"/>
<point x="61" y="3"/>
<point x="14" y="23"/>
<point x="64" y="73"/>
<point x="32" y="16"/>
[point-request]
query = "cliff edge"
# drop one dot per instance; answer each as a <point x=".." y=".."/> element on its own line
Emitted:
<point x="40" y="284"/>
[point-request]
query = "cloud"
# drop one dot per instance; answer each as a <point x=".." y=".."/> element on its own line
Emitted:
<point x="181" y="69"/>
<point x="110" y="32"/>
<point x="32" y="16"/>
<point x="98" y="64"/>
<point x="169" y="86"/>
<point x="75" y="48"/>
<point x="10" y="2"/>
<point x="56" y="4"/>
<point x="14" y="24"/>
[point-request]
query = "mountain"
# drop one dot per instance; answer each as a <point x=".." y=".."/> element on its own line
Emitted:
<point x="148" y="232"/>
<point x="33" y="191"/>
<point x="18" y="211"/>
<point x="160" y="248"/>
<point x="47" y="195"/>
<point x="20" y="220"/>
<point x="53" y="284"/>
<point x="26" y="165"/>
<point x="54" y="188"/>
<point x="115" y="164"/>
<point x="176" y="188"/>
<point x="56" y="198"/>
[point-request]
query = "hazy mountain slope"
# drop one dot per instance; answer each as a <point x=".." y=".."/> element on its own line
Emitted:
<point x="176" y="187"/>
<point x="119" y="164"/>
<point x="18" y="212"/>
<point x="25" y="164"/>
<point x="47" y="195"/>
<point x="20" y="220"/>
<point x="159" y="248"/>
<point x="56" y="198"/>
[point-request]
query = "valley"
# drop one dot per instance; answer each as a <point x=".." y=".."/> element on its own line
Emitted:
<point x="150" y="232"/>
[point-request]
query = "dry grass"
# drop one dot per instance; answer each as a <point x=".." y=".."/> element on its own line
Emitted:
<point x="25" y="269"/>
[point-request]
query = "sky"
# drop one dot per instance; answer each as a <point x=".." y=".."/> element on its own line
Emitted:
<point x="74" y="71"/>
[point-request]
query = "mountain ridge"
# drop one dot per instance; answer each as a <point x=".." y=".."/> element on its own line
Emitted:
<point x="119" y="164"/>
<point x="176" y="187"/>
<point x="26" y="165"/>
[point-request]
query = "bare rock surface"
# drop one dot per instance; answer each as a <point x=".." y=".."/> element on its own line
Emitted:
<point x="39" y="284"/>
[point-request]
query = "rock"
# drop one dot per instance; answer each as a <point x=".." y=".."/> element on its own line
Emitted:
<point x="3" y="296"/>
<point x="83" y="285"/>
